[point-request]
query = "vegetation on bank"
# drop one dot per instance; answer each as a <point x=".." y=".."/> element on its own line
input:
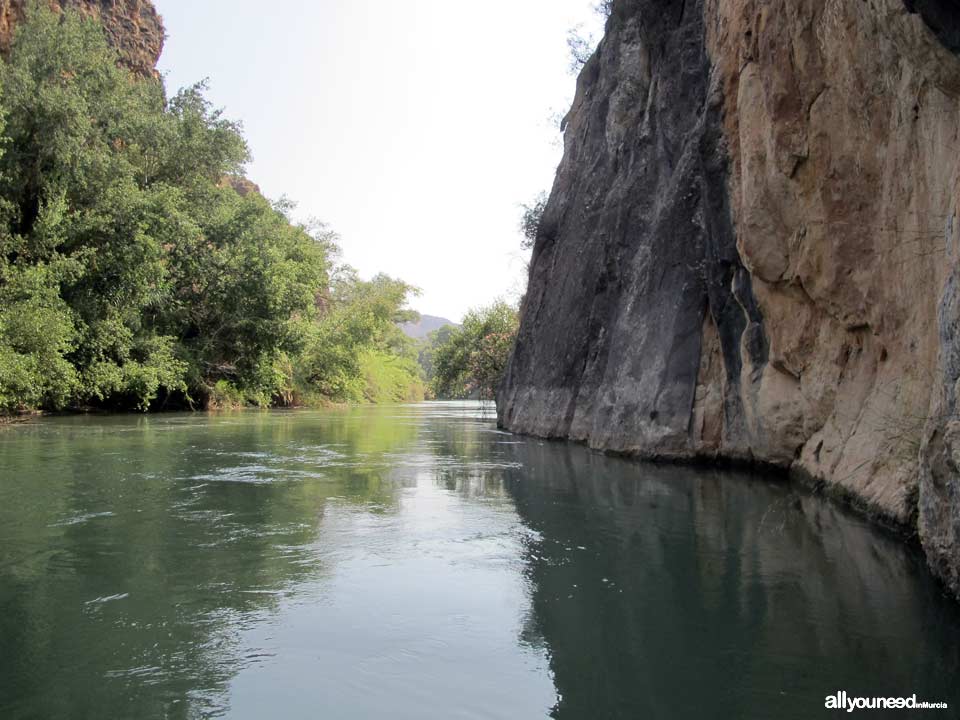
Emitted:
<point x="134" y="275"/>
<point x="469" y="361"/>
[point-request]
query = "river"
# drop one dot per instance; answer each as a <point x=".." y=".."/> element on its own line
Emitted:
<point x="415" y="562"/>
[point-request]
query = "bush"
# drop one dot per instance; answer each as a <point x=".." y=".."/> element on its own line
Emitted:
<point x="530" y="220"/>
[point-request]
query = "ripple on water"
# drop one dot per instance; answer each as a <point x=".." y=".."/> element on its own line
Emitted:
<point x="81" y="518"/>
<point x="107" y="598"/>
<point x="147" y="674"/>
<point x="446" y="462"/>
<point x="257" y="475"/>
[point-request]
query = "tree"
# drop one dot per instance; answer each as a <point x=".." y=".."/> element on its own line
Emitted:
<point x="358" y="337"/>
<point x="137" y="267"/>
<point x="81" y="236"/>
<point x="472" y="361"/>
<point x="427" y="350"/>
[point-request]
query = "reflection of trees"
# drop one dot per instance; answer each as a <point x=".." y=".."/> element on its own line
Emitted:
<point x="201" y="523"/>
<point x="468" y="460"/>
<point x="701" y="590"/>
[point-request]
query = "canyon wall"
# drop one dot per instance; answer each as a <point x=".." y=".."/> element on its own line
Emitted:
<point x="749" y="251"/>
<point x="133" y="27"/>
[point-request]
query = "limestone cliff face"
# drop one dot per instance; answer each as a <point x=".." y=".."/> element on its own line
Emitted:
<point x="133" y="27"/>
<point x="749" y="250"/>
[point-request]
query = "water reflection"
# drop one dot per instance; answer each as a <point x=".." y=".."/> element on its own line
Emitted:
<point x="415" y="562"/>
<point x="673" y="592"/>
<point x="254" y="564"/>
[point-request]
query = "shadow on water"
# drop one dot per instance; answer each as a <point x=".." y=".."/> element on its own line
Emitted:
<point x="675" y="592"/>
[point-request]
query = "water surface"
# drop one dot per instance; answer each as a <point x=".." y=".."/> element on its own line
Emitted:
<point x="414" y="562"/>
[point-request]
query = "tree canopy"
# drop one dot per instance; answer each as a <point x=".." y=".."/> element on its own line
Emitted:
<point x="469" y="361"/>
<point x="133" y="273"/>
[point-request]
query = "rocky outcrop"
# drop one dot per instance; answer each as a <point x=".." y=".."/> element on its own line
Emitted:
<point x="133" y="27"/>
<point x="241" y="185"/>
<point x="748" y="251"/>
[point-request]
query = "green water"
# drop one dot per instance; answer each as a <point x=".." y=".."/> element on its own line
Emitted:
<point x="414" y="562"/>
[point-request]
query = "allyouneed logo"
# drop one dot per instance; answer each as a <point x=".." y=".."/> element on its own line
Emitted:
<point x="842" y="701"/>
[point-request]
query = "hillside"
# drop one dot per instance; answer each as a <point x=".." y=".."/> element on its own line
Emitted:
<point x="426" y="325"/>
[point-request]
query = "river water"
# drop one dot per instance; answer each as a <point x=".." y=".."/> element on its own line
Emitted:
<point x="415" y="562"/>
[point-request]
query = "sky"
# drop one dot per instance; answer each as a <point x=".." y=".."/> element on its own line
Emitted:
<point x="413" y="128"/>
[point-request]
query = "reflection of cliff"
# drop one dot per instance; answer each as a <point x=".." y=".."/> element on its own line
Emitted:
<point x="665" y="590"/>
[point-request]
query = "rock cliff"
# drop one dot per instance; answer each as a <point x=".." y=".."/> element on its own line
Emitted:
<point x="133" y="27"/>
<point x="750" y="251"/>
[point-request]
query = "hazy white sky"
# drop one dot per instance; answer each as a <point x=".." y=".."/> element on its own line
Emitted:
<point x="412" y="127"/>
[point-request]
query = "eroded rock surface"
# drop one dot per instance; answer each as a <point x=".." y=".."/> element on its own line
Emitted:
<point x="748" y="250"/>
<point x="133" y="27"/>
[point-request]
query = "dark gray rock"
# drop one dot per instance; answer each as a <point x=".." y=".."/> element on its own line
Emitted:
<point x="635" y="247"/>
<point x="939" y="501"/>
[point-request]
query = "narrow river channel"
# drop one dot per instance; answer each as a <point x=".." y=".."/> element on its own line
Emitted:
<point x="415" y="562"/>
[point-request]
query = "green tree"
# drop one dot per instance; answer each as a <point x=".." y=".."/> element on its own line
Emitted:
<point x="361" y="322"/>
<point x="427" y="350"/>
<point x="246" y="283"/>
<point x="472" y="361"/>
<point x="137" y="267"/>
<point x="81" y="238"/>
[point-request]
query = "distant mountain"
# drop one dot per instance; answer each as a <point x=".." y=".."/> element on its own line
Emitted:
<point x="427" y="324"/>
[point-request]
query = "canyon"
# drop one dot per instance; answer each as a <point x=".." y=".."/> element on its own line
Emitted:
<point x="749" y="252"/>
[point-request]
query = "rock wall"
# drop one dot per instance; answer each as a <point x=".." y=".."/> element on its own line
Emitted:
<point x="133" y="27"/>
<point x="749" y="247"/>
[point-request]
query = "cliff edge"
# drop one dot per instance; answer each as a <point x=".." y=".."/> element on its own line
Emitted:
<point x="750" y="251"/>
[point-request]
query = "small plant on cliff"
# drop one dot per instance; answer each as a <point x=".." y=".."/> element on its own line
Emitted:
<point x="530" y="220"/>
<point x="603" y="8"/>
<point x="580" y="48"/>
<point x="581" y="44"/>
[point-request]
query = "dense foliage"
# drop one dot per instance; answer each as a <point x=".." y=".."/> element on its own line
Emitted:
<point x="471" y="360"/>
<point x="357" y="351"/>
<point x="427" y="350"/>
<point x="133" y="273"/>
